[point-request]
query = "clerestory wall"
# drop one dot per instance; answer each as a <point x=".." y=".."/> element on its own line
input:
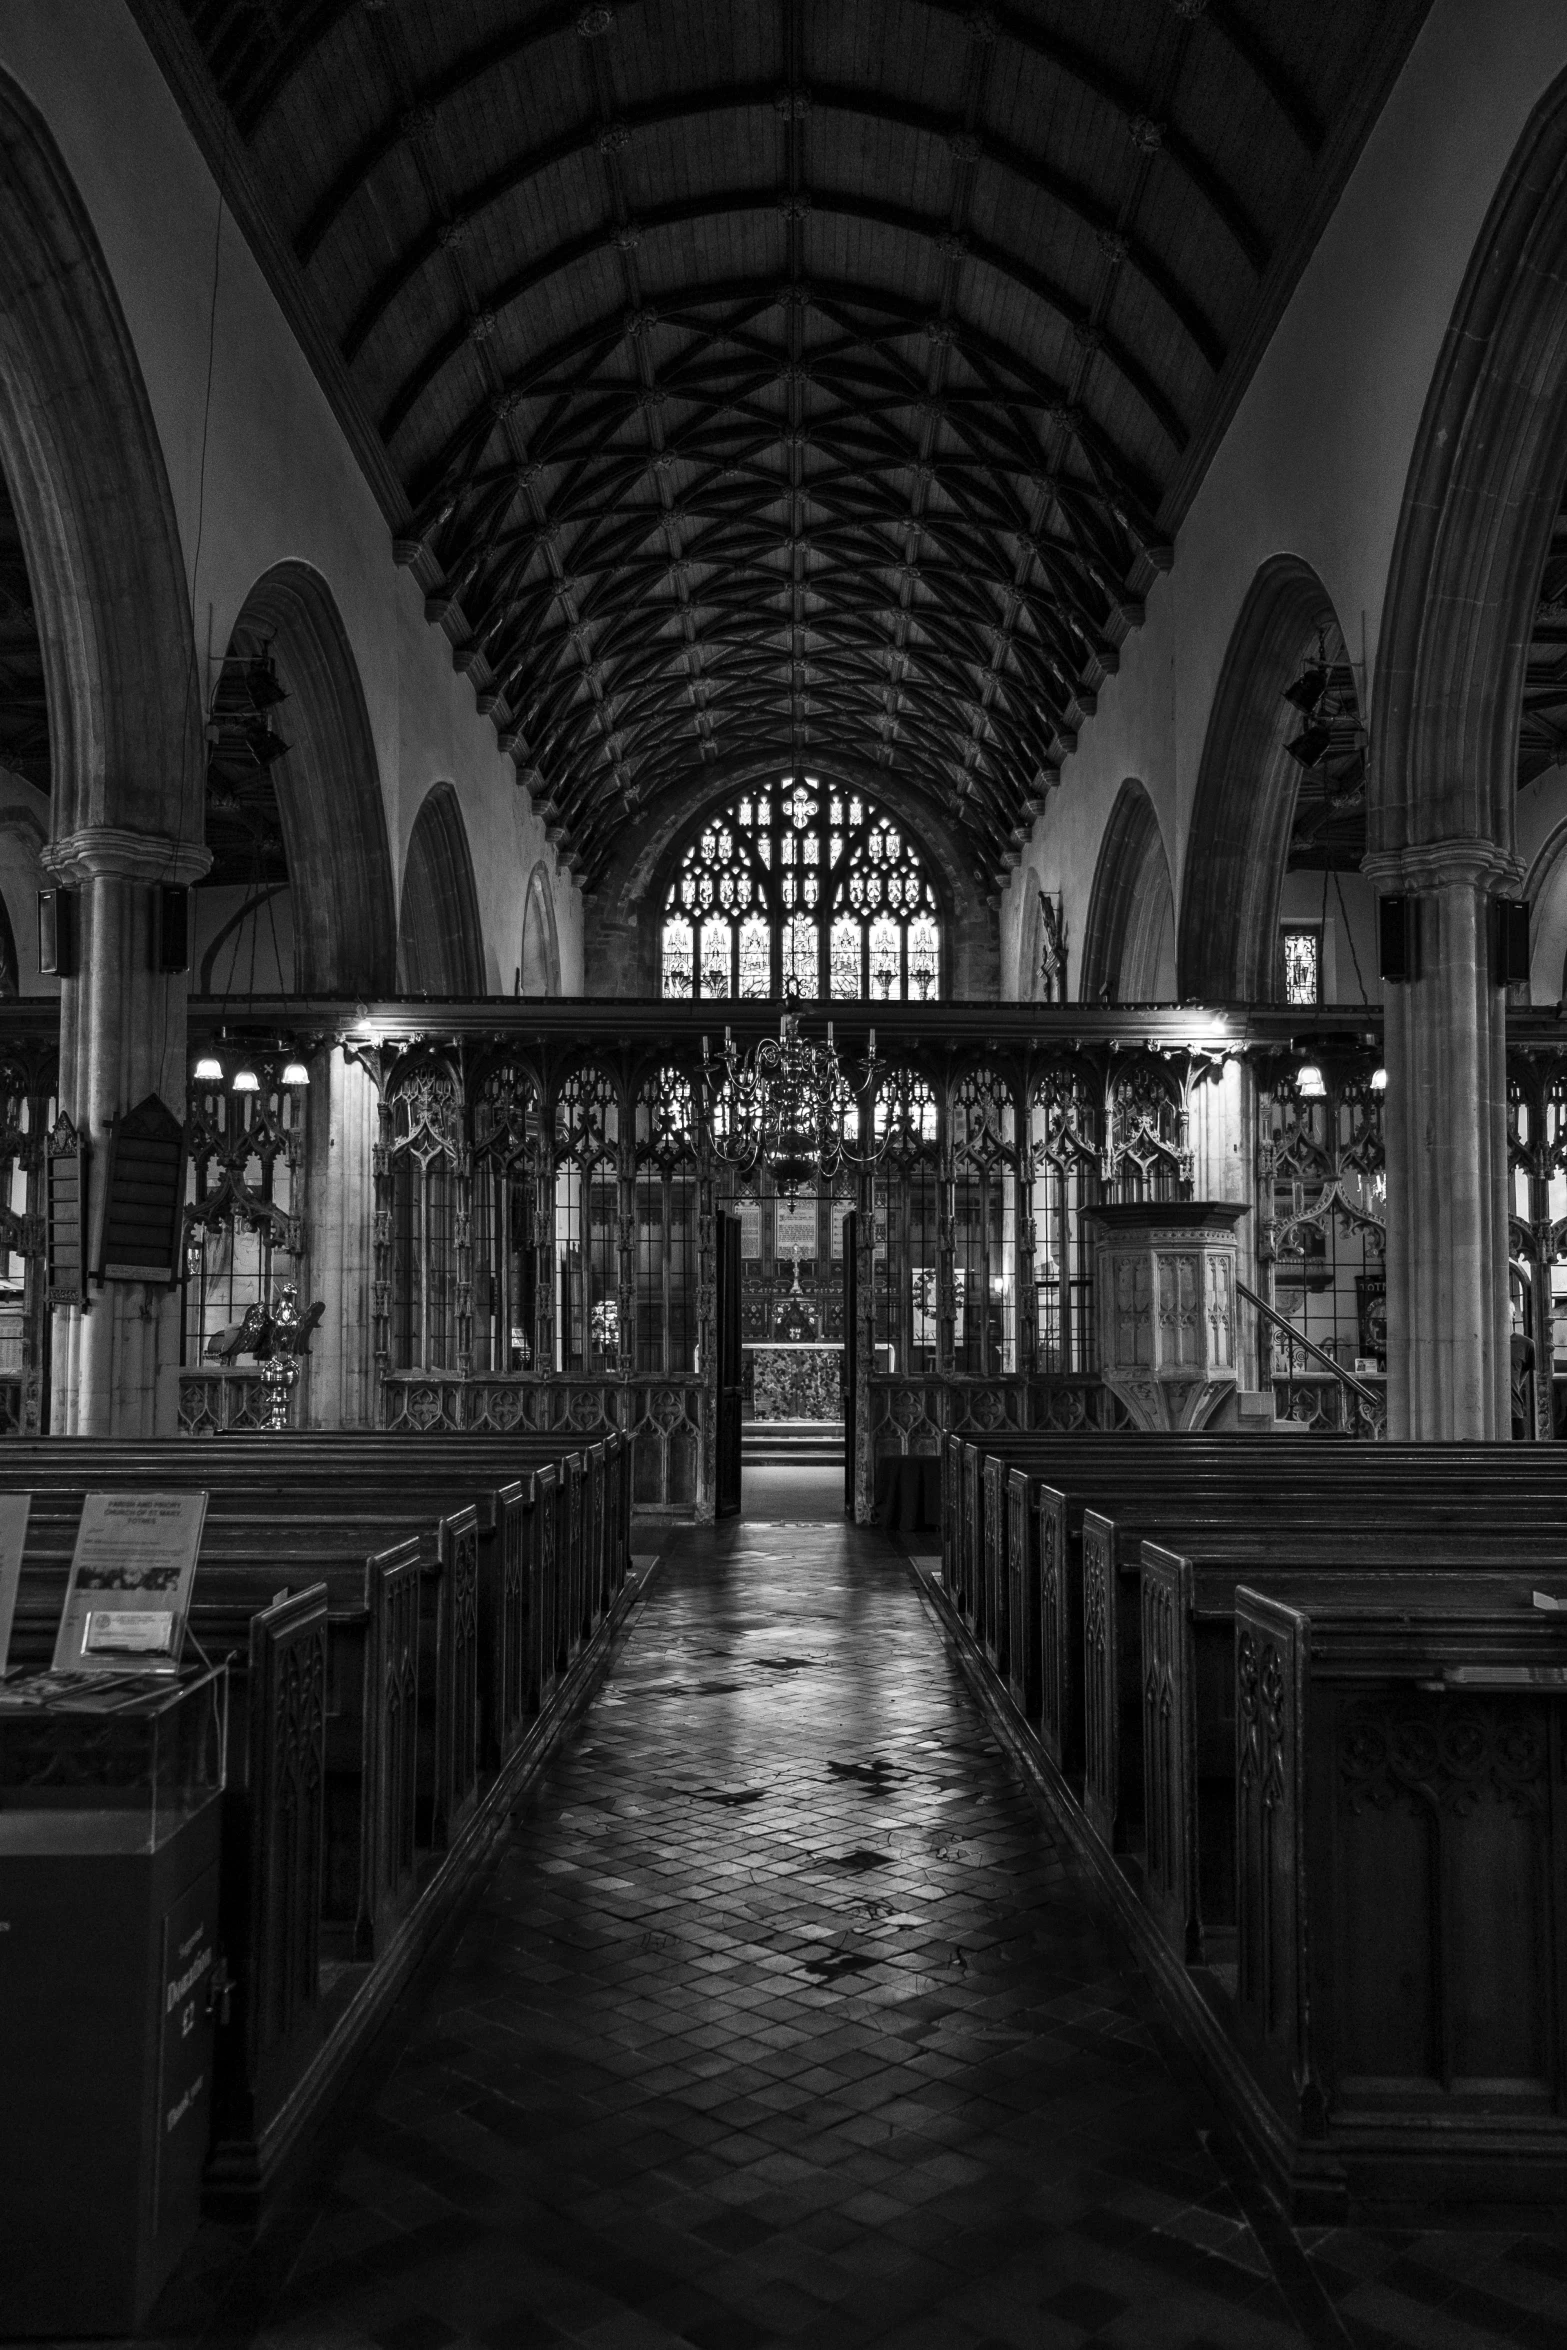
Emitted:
<point x="267" y="477"/>
<point x="1314" y="466"/>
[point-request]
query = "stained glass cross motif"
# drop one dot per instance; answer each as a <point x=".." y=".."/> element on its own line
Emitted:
<point x="808" y="889"/>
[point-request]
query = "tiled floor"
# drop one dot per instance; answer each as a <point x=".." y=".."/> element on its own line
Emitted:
<point x="783" y="2021"/>
<point x="779" y="1494"/>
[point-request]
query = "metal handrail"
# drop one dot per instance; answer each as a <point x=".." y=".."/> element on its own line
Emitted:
<point x="1367" y="1395"/>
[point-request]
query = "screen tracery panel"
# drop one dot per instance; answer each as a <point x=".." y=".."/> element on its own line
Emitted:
<point x="508" y="1145"/>
<point x="242" y="1231"/>
<point x="906" y="1233"/>
<point x="667" y="1202"/>
<point x="588" y="1335"/>
<point x="1065" y="1179"/>
<point x="803" y="888"/>
<point x="984" y="1193"/>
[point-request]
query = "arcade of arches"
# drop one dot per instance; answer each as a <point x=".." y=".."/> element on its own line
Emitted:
<point x="555" y="563"/>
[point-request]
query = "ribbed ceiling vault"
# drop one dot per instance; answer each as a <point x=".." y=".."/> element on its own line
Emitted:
<point x="801" y="376"/>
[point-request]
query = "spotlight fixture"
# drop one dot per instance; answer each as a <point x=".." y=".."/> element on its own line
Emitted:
<point x="295" y="1073"/>
<point x="245" y="1081"/>
<point x="1308" y="1083"/>
<point x="1311" y="743"/>
<point x="1308" y="689"/>
<point x="208" y="1070"/>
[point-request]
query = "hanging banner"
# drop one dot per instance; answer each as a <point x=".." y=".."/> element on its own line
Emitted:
<point x="751" y="1231"/>
<point x="841" y="1208"/>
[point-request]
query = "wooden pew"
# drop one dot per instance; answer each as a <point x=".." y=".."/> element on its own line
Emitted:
<point x="1034" y="1552"/>
<point x="1188" y="1742"/>
<point x="1413" y="1567"/>
<point x="1315" y="1535"/>
<point x="273" y="1867"/>
<point x="1401" y="1982"/>
<point x="564" y="1563"/>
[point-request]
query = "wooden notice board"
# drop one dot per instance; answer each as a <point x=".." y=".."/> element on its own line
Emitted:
<point x="142" y="1209"/>
<point x="65" y="1210"/>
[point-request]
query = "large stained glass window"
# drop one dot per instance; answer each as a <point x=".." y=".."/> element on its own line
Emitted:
<point x="804" y="888"/>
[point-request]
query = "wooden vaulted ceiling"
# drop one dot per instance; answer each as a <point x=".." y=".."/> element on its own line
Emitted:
<point x="790" y="377"/>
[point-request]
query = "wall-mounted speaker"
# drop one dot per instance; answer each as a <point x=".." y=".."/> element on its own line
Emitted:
<point x="1398" y="939"/>
<point x="170" y="929"/>
<point x="1510" y="942"/>
<point x="57" y="942"/>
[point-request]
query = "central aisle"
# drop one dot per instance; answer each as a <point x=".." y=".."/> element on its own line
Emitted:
<point x="781" y="2022"/>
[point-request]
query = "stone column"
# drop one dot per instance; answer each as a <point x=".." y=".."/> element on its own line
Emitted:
<point x="122" y="1036"/>
<point x="1446" y="1127"/>
<point x="342" y="1126"/>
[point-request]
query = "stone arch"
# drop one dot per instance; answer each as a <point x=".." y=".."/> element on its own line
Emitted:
<point x="440" y="939"/>
<point x="624" y="910"/>
<point x="1244" y="807"/>
<point x="1129" y="939"/>
<point x="86" y="477"/>
<point x="539" y="970"/>
<point x="1545" y="887"/>
<point x="328" y="788"/>
<point x="1484" y="486"/>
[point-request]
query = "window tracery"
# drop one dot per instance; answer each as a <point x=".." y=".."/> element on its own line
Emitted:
<point x="804" y="888"/>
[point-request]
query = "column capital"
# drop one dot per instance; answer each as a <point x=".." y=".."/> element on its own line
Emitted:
<point x="1443" y="864"/>
<point x="106" y="852"/>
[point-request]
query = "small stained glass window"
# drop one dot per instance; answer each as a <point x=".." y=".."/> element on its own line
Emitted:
<point x="1301" y="946"/>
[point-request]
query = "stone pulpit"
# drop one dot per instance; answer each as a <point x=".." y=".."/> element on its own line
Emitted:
<point x="1164" y="1282"/>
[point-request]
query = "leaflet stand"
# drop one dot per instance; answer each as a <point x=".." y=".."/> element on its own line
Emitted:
<point x="110" y="1815"/>
<point x="129" y="1595"/>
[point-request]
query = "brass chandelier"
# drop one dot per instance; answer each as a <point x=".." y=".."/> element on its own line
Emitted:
<point x="788" y="1107"/>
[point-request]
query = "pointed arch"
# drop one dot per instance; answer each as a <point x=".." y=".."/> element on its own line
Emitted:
<point x="540" y="965"/>
<point x="1129" y="941"/>
<point x="1238" y="846"/>
<point x="86" y="477"/>
<point x="1485" y="486"/>
<point x="328" y="787"/>
<point x="440" y="939"/>
<point x="624" y="909"/>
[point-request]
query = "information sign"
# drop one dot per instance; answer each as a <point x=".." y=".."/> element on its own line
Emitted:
<point x="129" y="1593"/>
<point x="751" y="1231"/>
<point x="841" y="1208"/>
<point x="13" y="1535"/>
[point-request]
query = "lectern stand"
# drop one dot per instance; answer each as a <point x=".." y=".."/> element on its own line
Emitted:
<point x="110" y="1799"/>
